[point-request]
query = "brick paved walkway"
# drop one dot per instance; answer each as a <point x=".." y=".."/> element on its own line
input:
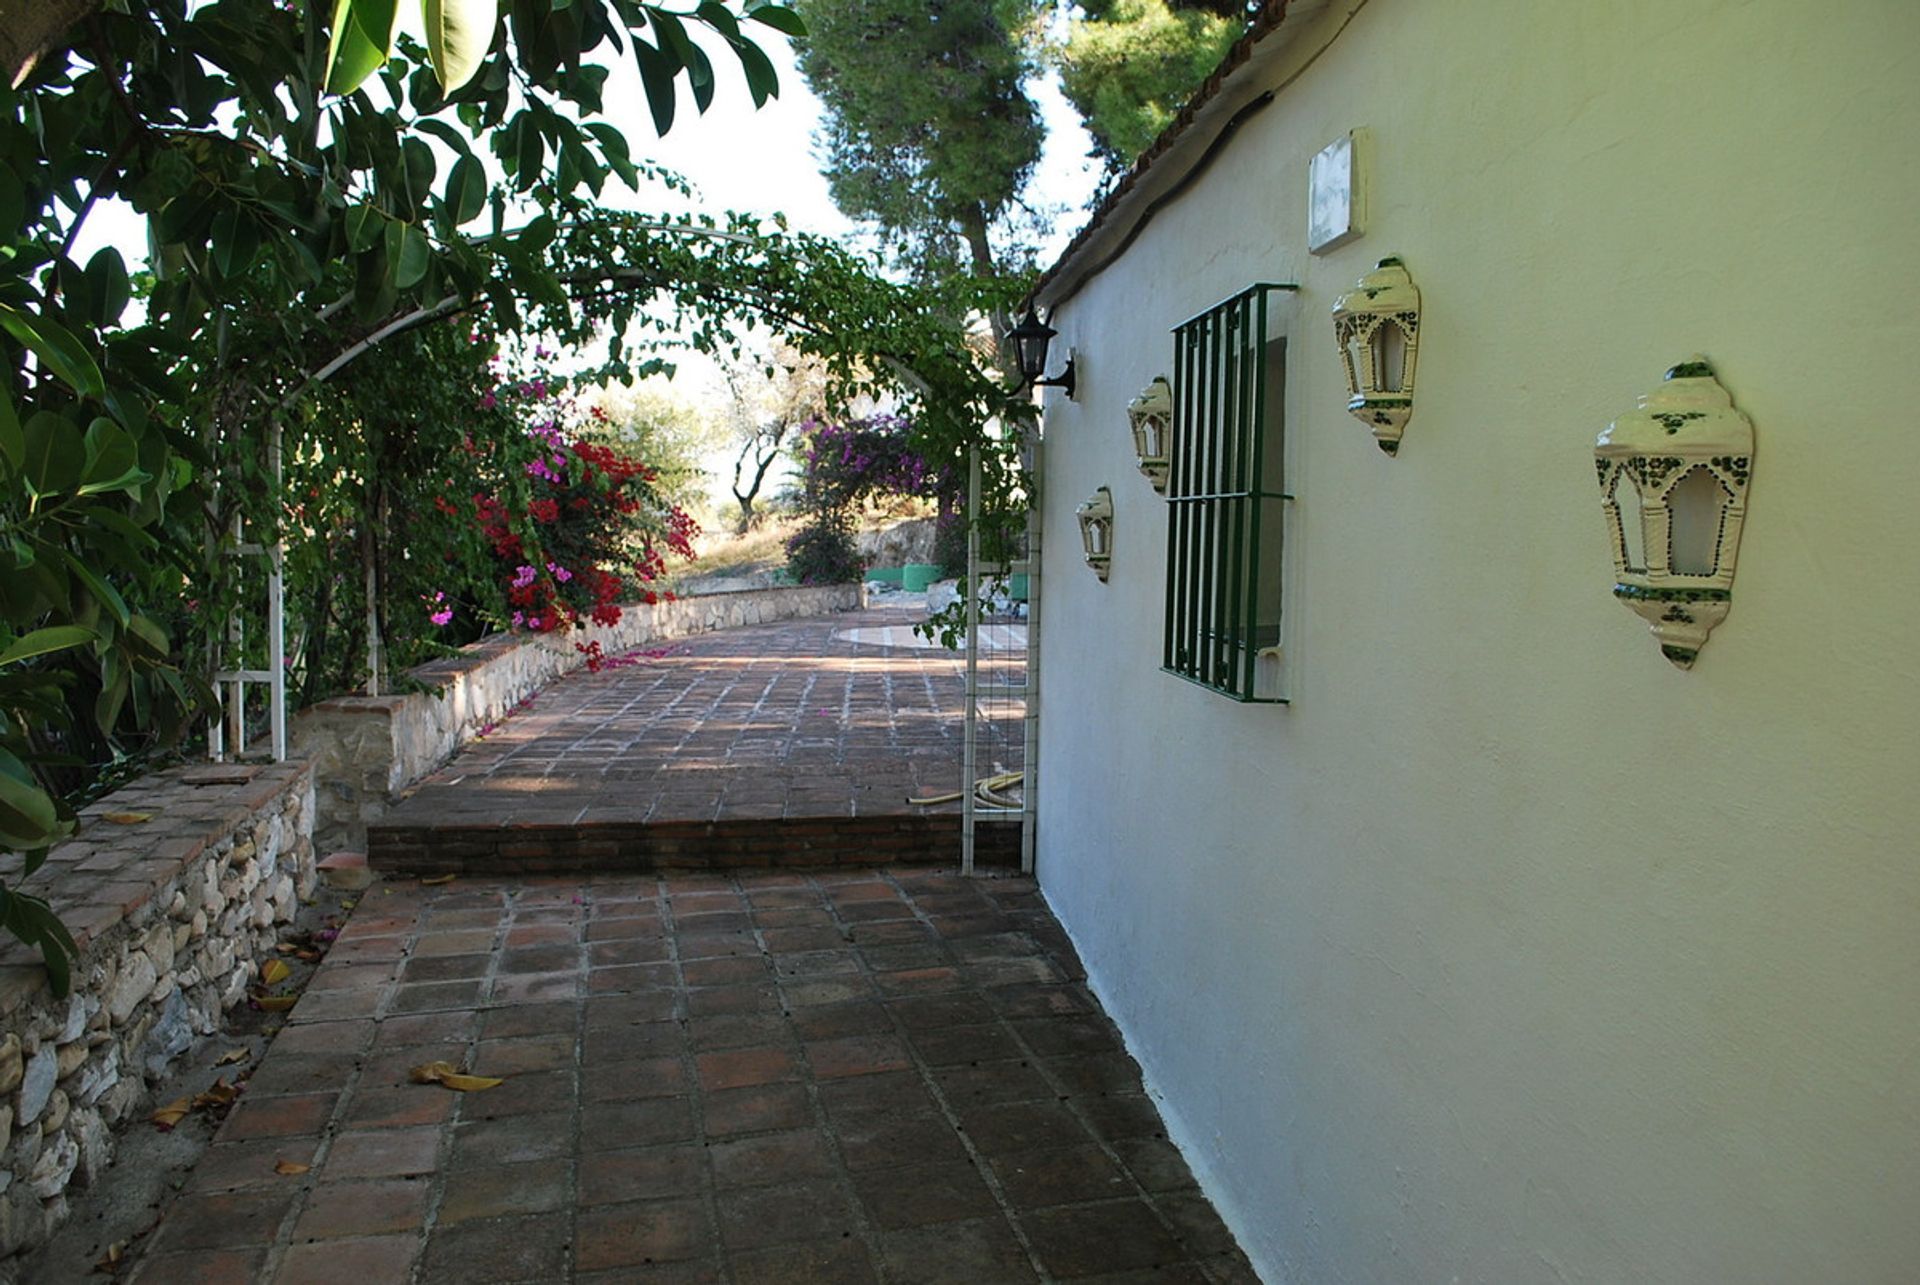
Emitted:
<point x="772" y="1077"/>
<point x="691" y="754"/>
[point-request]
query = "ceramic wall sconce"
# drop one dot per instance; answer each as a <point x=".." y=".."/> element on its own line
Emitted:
<point x="1377" y="324"/>
<point x="1151" y="417"/>
<point x="1096" y="530"/>
<point x="1673" y="484"/>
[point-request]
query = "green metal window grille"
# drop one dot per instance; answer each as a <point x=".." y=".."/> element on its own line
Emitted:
<point x="1225" y="494"/>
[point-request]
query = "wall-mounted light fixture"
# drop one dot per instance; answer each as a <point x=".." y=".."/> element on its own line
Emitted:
<point x="1377" y="324"/>
<point x="1151" y="417"/>
<point x="1673" y="484"/>
<point x="1096" y="530"/>
<point x="1030" y="340"/>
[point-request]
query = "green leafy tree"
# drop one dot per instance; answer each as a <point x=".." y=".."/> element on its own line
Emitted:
<point x="298" y="217"/>
<point x="1129" y="65"/>
<point x="930" y="133"/>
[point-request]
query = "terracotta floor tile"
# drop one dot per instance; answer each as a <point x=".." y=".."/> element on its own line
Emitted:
<point x="799" y="1155"/>
<point x="366" y="1259"/>
<point x="641" y="1233"/>
<point x="755" y="1109"/>
<point x="836" y="1261"/>
<point x="344" y="1209"/>
<point x="278" y="1117"/>
<point x="1069" y="1175"/>
<point x="200" y="1267"/>
<point x="228" y="1166"/>
<point x="531" y="1247"/>
<point x="424" y="1028"/>
<point x="737" y="1068"/>
<point x="922" y="1195"/>
<point x="394" y="1106"/>
<point x="513" y="1140"/>
<point x="611" y="1125"/>
<point x="491" y="1191"/>
<point x="856" y="1055"/>
<point x="650" y="1077"/>
<point x="755" y="1217"/>
<point x="1121" y="1236"/>
<point x="384" y="1153"/>
<point x="608" y="1177"/>
<point x="236" y="1219"/>
<point x="957" y="1253"/>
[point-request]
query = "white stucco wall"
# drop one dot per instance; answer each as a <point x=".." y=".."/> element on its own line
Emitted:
<point x="1508" y="951"/>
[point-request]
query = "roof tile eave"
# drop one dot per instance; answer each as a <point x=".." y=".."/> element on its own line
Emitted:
<point x="1264" y="20"/>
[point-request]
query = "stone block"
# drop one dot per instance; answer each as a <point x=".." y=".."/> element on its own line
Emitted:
<point x="56" y="1116"/>
<point x="36" y="1086"/>
<point x="97" y="1077"/>
<point x="68" y="1057"/>
<point x="12" y="1063"/>
<point x="57" y="1161"/>
<point x="157" y="945"/>
<point x="96" y="1146"/>
<point x="134" y="983"/>
<point x="78" y="1012"/>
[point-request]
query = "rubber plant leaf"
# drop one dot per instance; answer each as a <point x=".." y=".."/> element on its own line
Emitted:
<point x="359" y="41"/>
<point x="459" y="33"/>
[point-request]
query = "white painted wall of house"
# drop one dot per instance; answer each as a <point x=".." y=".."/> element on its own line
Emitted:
<point x="1509" y="951"/>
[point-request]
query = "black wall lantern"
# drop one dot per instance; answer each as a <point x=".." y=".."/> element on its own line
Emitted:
<point x="1030" y="340"/>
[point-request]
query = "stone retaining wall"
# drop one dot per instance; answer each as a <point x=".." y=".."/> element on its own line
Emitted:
<point x="172" y="903"/>
<point x="366" y="749"/>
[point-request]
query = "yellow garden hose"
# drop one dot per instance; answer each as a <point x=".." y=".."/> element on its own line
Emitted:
<point x="987" y="790"/>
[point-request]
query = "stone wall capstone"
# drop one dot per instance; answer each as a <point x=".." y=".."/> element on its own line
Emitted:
<point x="366" y="749"/>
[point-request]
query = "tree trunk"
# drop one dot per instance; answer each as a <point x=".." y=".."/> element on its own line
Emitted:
<point x="30" y="29"/>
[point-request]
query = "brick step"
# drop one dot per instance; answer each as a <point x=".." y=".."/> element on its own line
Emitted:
<point x="609" y="847"/>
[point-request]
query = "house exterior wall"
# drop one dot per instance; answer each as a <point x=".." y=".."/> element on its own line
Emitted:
<point x="1508" y="951"/>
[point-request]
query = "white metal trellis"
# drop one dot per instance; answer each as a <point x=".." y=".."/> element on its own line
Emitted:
<point x="1005" y="681"/>
<point x="227" y="732"/>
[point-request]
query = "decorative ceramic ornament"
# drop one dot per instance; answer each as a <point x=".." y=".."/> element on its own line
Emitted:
<point x="1096" y="530"/>
<point x="1673" y="484"/>
<point x="1377" y="324"/>
<point x="1151" y="417"/>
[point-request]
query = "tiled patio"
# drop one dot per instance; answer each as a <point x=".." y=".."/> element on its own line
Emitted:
<point x="801" y="740"/>
<point x="767" y="1077"/>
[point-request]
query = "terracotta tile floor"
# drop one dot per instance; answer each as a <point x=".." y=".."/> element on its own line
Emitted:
<point x="775" y="1077"/>
<point x="789" y="720"/>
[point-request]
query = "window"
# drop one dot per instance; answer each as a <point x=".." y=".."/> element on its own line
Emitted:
<point x="1226" y="493"/>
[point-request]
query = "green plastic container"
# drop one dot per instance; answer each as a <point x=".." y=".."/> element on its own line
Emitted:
<point x="887" y="575"/>
<point x="916" y="576"/>
<point x="1017" y="586"/>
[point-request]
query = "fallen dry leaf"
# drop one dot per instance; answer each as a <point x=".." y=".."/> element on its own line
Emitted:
<point x="437" y="879"/>
<point x="221" y="1094"/>
<point x="231" y="1056"/>
<point x="449" y="1076"/>
<point x="275" y="1003"/>
<point x="288" y="1168"/>
<point x="114" y="1260"/>
<point x="275" y="971"/>
<point x="127" y="818"/>
<point x="172" y="1113"/>
<point x="286" y="948"/>
<point x="309" y="956"/>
